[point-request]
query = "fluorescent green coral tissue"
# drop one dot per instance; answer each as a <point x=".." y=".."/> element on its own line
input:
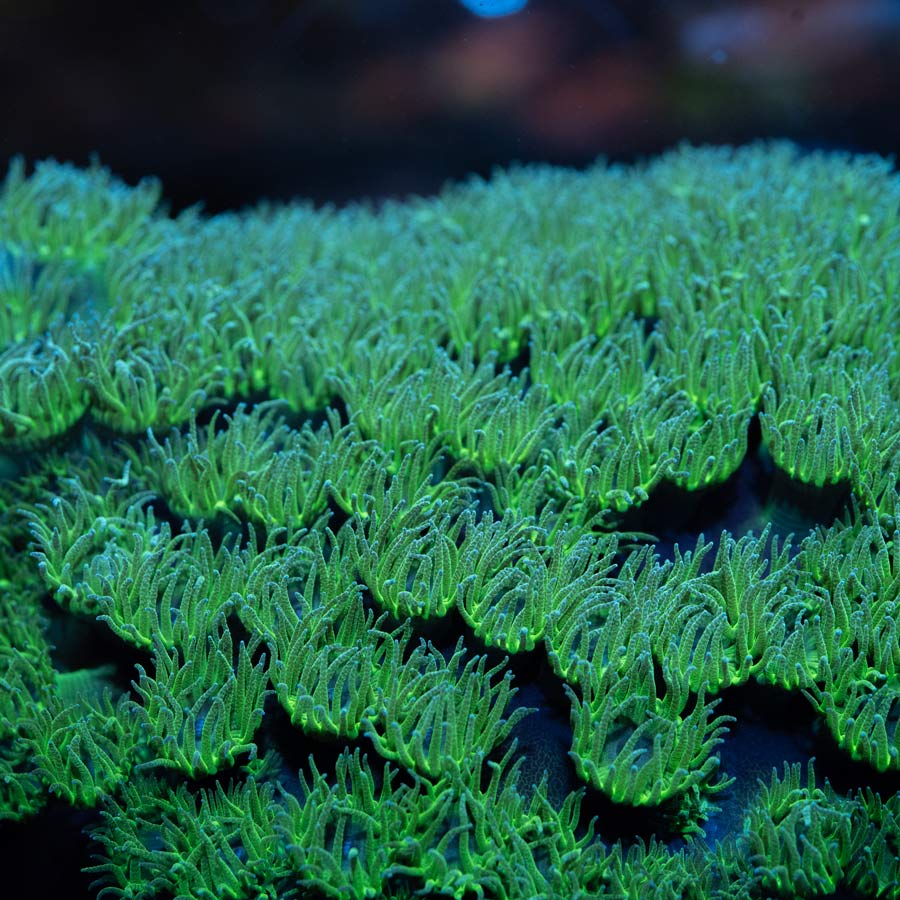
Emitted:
<point x="458" y="547"/>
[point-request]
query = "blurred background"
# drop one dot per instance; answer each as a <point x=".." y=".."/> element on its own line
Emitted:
<point x="231" y="101"/>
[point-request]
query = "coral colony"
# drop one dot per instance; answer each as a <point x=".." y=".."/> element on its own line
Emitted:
<point x="299" y="506"/>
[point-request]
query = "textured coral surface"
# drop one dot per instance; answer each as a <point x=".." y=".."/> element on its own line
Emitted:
<point x="523" y="542"/>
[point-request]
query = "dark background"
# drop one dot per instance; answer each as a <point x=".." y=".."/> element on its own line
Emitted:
<point x="231" y="101"/>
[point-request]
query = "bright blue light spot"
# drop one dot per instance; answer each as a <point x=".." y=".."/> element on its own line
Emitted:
<point x="493" y="9"/>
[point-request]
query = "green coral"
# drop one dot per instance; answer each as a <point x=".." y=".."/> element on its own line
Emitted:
<point x="326" y="479"/>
